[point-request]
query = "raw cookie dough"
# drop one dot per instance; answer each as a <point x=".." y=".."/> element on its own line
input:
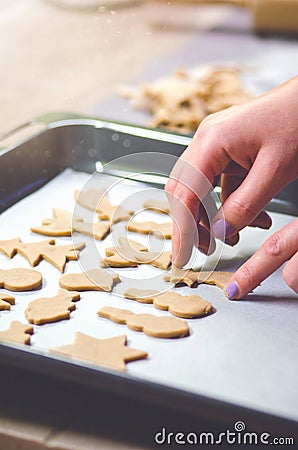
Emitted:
<point x="53" y="309"/>
<point x="157" y="205"/>
<point x="92" y="280"/>
<point x="6" y="301"/>
<point x="131" y="254"/>
<point x="20" y="279"/>
<point x="180" y="101"/>
<point x="89" y="198"/>
<point x="111" y="353"/>
<point x="63" y="224"/>
<point x="96" y="200"/>
<point x="141" y="295"/>
<point x="18" y="333"/>
<point x="189" y="277"/>
<point x="159" y="327"/>
<point x="160" y="230"/>
<point x="57" y="255"/>
<point x="185" y="306"/>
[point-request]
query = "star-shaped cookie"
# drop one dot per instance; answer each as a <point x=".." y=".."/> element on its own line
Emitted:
<point x="112" y="353"/>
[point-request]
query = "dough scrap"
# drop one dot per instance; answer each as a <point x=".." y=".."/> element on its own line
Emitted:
<point x="34" y="252"/>
<point x="63" y="224"/>
<point x="6" y="301"/>
<point x="189" y="277"/>
<point x="18" y="333"/>
<point x="182" y="100"/>
<point x="96" y="200"/>
<point x="112" y="353"/>
<point x="131" y="253"/>
<point x="157" y="205"/>
<point x="160" y="230"/>
<point x="185" y="306"/>
<point x="159" y="327"/>
<point x="52" y="309"/>
<point x="92" y="280"/>
<point x="20" y="279"/>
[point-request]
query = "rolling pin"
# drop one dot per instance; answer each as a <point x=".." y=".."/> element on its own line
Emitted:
<point x="268" y="15"/>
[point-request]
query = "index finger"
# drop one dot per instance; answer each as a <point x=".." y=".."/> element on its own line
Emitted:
<point x="190" y="181"/>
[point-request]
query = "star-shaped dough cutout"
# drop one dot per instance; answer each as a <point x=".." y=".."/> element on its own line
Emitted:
<point x="111" y="353"/>
<point x="18" y="333"/>
<point x="6" y="301"/>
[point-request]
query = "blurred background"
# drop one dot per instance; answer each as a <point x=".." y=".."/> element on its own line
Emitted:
<point x="81" y="56"/>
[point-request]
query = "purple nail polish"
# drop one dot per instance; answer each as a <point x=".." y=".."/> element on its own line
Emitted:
<point x="222" y="229"/>
<point x="232" y="290"/>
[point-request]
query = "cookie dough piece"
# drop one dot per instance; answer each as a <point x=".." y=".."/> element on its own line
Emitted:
<point x="96" y="200"/>
<point x="92" y="280"/>
<point x="18" y="333"/>
<point x="89" y="198"/>
<point x="111" y="353"/>
<point x="97" y="230"/>
<point x="117" y="315"/>
<point x="189" y="277"/>
<point x="53" y="309"/>
<point x="6" y="301"/>
<point x="63" y="224"/>
<point x="160" y="230"/>
<point x="34" y="252"/>
<point x="159" y="327"/>
<point x="113" y="213"/>
<point x="160" y="260"/>
<point x="60" y="225"/>
<point x="141" y="295"/>
<point x="131" y="254"/>
<point x="20" y="279"/>
<point x="157" y="205"/>
<point x="189" y="306"/>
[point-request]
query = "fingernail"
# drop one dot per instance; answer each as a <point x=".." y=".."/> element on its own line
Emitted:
<point x="222" y="229"/>
<point x="232" y="290"/>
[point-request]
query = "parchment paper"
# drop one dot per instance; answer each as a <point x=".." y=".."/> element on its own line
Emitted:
<point x="244" y="353"/>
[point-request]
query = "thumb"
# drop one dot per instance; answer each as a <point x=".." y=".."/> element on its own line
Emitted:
<point x="249" y="199"/>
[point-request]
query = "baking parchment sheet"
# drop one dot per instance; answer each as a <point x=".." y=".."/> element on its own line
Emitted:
<point x="244" y="353"/>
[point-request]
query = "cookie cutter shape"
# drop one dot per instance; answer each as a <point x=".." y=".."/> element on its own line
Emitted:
<point x="34" y="252"/>
<point x="157" y="206"/>
<point x="131" y="253"/>
<point x="96" y="200"/>
<point x="52" y="309"/>
<point x="6" y="301"/>
<point x="141" y="295"/>
<point x="63" y="224"/>
<point x="159" y="327"/>
<point x="190" y="277"/>
<point x="159" y="230"/>
<point x="92" y="280"/>
<point x="185" y="306"/>
<point x="18" y="333"/>
<point x="112" y="353"/>
<point x="20" y="279"/>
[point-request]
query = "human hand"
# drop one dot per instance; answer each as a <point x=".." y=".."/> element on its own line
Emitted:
<point x="255" y="148"/>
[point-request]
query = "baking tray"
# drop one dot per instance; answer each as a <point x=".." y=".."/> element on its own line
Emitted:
<point x="231" y="366"/>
